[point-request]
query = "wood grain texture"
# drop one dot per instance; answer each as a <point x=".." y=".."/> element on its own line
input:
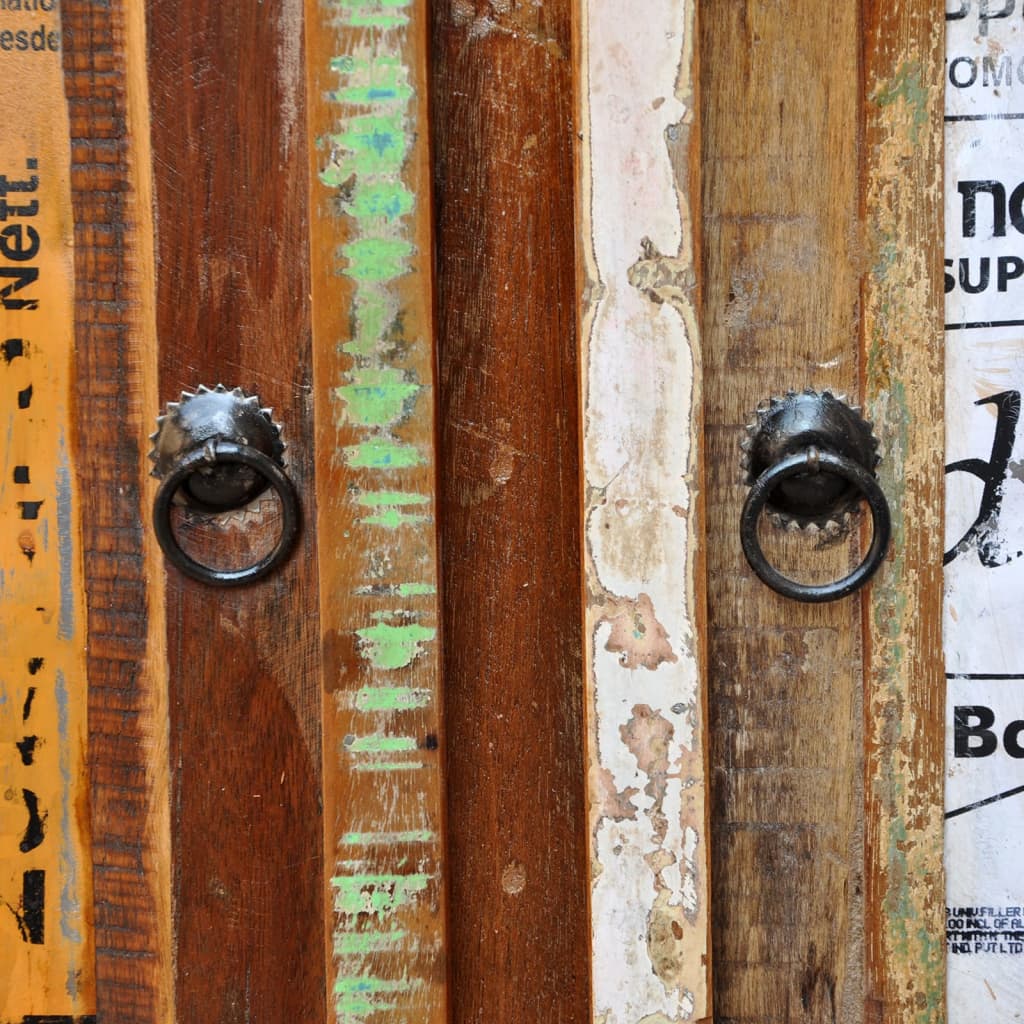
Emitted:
<point x="902" y="332"/>
<point x="104" y="60"/>
<point x="643" y="519"/>
<point x="46" y="932"/>
<point x="503" y="115"/>
<point x="373" y="359"/>
<point x="783" y="265"/>
<point x="230" y="159"/>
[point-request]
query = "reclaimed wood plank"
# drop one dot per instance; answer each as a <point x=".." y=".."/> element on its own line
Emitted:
<point x="116" y="389"/>
<point x="227" y="94"/>
<point x="643" y="525"/>
<point x="782" y="279"/>
<point x="509" y="504"/>
<point x="903" y="362"/>
<point x="46" y="931"/>
<point x="373" y="374"/>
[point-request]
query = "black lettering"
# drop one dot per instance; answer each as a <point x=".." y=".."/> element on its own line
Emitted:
<point x="22" y="276"/>
<point x="30" y="509"/>
<point x="996" y="74"/>
<point x="1016" y="208"/>
<point x="35" y="830"/>
<point x="21" y="475"/>
<point x="972" y="68"/>
<point x="25" y="395"/>
<point x="969" y="192"/>
<point x="26" y="709"/>
<point x="950" y="279"/>
<point x="30" y="914"/>
<point x="1011" y="739"/>
<point x="12" y="242"/>
<point x="12" y="348"/>
<point x="27" y="748"/>
<point x="965" y="6"/>
<point x="983" y="532"/>
<point x="986" y="14"/>
<point x="964" y="731"/>
<point x="53" y="42"/>
<point x="983" y="275"/>
<point x="1009" y="268"/>
<point x="28" y="185"/>
<point x="29" y="209"/>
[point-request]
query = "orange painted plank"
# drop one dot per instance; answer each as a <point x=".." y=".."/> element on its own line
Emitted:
<point x="373" y="371"/>
<point x="45" y="873"/>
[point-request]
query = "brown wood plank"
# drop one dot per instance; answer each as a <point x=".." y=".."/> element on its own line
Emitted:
<point x="503" y="117"/>
<point x="902" y="341"/>
<point x="229" y="146"/>
<point x="104" y="60"/>
<point x="373" y="358"/>
<point x="782" y="280"/>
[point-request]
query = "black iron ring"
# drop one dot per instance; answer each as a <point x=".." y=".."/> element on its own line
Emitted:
<point x="226" y="451"/>
<point x="810" y="460"/>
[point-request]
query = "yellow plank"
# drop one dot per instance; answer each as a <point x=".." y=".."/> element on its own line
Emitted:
<point x="45" y="930"/>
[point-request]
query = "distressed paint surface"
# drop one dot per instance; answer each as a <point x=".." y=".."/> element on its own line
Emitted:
<point x="47" y="965"/>
<point x="373" y="375"/>
<point x="643" y="657"/>
<point x="902" y="339"/>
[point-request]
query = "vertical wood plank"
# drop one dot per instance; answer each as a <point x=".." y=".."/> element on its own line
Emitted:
<point x="783" y="263"/>
<point x="902" y="331"/>
<point x="643" y="517"/>
<point x="46" y="930"/>
<point x="230" y="158"/>
<point x="105" y="67"/>
<point x="373" y="358"/>
<point x="503" y="121"/>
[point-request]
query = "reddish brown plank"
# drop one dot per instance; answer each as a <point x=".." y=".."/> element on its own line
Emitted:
<point x="227" y="95"/>
<point x="503" y="113"/>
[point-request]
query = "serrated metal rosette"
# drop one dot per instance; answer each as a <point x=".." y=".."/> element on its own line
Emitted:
<point x="820" y="503"/>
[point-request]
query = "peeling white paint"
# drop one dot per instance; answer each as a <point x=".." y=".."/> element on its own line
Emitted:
<point x="645" y="732"/>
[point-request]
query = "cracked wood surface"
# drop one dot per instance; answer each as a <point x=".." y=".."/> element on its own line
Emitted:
<point x="822" y="226"/>
<point x="642" y="513"/>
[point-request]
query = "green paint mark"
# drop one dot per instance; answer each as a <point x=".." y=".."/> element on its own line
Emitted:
<point x="392" y="519"/>
<point x="370" y="144"/>
<point x="387" y="838"/>
<point x="374" y="499"/>
<point x="379" y="81"/>
<point x="385" y="200"/>
<point x="374" y="13"/>
<point x="363" y="943"/>
<point x="391" y="647"/>
<point x="389" y="766"/>
<point x="381" y="453"/>
<point x="392" y="698"/>
<point x="380" y="895"/>
<point x="377" y="396"/>
<point x="373" y="986"/>
<point x="377" y="259"/>
<point x="373" y="309"/>
<point x="378" y="743"/>
<point x="906" y="86"/>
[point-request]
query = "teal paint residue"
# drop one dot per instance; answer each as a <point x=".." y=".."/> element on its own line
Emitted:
<point x="389" y="766"/>
<point x="375" y="259"/>
<point x="906" y="86"/>
<point x="391" y="647"/>
<point x="387" y="838"/>
<point x="385" y="201"/>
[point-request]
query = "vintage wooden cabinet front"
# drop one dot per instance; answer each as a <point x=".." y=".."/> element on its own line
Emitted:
<point x="513" y="732"/>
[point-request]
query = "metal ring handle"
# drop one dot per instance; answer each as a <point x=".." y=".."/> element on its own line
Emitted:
<point x="811" y="460"/>
<point x="226" y="451"/>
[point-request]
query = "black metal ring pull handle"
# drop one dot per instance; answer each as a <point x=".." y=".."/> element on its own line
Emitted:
<point x="812" y="461"/>
<point x="236" y="454"/>
<point x="216" y="450"/>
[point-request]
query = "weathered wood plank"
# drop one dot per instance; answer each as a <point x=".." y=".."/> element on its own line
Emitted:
<point x="373" y="361"/>
<point x="105" y="67"/>
<point x="643" y="517"/>
<point x="231" y="189"/>
<point x="45" y="876"/>
<point x="902" y="341"/>
<point x="503" y="115"/>
<point x="782" y="277"/>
